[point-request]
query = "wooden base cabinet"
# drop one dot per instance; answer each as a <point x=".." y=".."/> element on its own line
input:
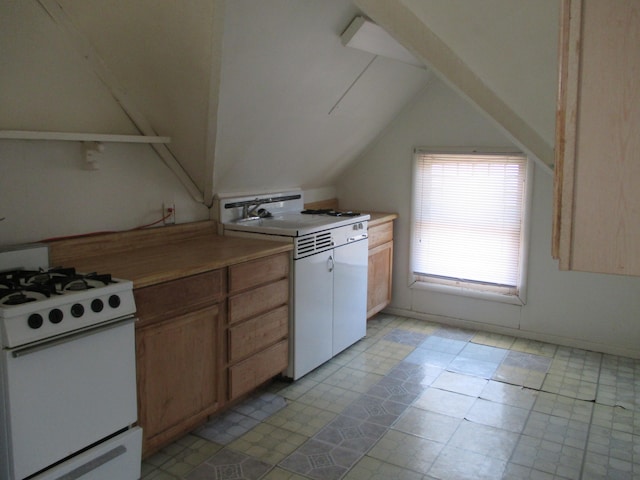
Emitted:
<point x="258" y="327"/>
<point x="179" y="355"/>
<point x="177" y="375"/>
<point x="200" y="345"/>
<point x="380" y="267"/>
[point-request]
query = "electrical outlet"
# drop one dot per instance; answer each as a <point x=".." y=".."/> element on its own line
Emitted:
<point x="169" y="213"/>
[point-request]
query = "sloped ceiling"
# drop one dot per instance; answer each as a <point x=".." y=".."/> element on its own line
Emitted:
<point x="116" y="67"/>
<point x="513" y="52"/>
<point x="45" y="84"/>
<point x="296" y="106"/>
<point x="499" y="54"/>
<point x="165" y="57"/>
<point x="261" y="94"/>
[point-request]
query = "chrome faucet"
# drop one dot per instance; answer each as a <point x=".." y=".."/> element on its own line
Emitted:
<point x="251" y="213"/>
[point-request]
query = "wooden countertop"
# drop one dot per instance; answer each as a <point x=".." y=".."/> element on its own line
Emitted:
<point x="380" y="217"/>
<point x="160" y="254"/>
<point x="157" y="255"/>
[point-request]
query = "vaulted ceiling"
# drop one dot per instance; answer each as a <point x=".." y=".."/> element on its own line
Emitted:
<point x="261" y="94"/>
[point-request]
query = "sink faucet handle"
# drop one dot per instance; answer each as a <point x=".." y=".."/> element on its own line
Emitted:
<point x="251" y="212"/>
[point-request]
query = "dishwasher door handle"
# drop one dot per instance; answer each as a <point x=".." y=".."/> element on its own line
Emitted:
<point x="330" y="263"/>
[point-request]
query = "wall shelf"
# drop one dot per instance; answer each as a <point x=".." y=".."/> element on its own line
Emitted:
<point x="92" y="143"/>
<point x="81" y="137"/>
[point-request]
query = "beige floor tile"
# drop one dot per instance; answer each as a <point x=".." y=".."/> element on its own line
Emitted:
<point x="328" y="397"/>
<point x="292" y="391"/>
<point x="391" y="350"/>
<point x="372" y="469"/>
<point x="493" y="340"/>
<point x="406" y="451"/>
<point x="354" y="380"/>
<point x="301" y="418"/>
<point x="268" y="443"/>
<point x="519" y="376"/>
<point x="460" y="383"/>
<point x="416" y="325"/>
<point x="282" y="474"/>
<point x="373" y="363"/>
<point x="429" y="425"/>
<point x="446" y="403"/>
<point x="533" y="346"/>
<point x="459" y="464"/>
<point x="513" y="395"/>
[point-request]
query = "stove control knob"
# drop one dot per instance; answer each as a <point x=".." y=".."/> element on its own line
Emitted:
<point x="97" y="305"/>
<point x="55" y="315"/>
<point x="35" y="320"/>
<point x="77" y="310"/>
<point x="114" y="301"/>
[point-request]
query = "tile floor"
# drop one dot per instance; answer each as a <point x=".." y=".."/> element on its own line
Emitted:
<point x="418" y="400"/>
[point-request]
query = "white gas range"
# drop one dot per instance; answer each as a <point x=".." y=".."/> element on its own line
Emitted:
<point x="67" y="372"/>
<point x="329" y="274"/>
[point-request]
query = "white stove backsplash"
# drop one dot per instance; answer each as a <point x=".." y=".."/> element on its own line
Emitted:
<point x="227" y="215"/>
<point x="29" y="257"/>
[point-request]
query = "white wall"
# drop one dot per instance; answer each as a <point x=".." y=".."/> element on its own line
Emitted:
<point x="46" y="190"/>
<point x="592" y="311"/>
<point x="511" y="46"/>
<point x="295" y="104"/>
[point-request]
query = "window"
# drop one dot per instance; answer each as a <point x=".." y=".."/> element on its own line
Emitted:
<point x="469" y="222"/>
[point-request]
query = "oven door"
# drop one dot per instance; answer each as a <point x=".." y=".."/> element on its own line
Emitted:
<point x="67" y="394"/>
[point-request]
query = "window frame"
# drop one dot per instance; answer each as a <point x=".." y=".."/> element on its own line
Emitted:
<point x="453" y="287"/>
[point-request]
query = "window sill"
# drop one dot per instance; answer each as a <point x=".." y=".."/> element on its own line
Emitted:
<point x="469" y="293"/>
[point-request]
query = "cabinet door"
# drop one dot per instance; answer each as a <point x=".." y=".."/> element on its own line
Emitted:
<point x="177" y="369"/>
<point x="349" y="294"/>
<point x="379" y="278"/>
<point x="313" y="312"/>
<point x="597" y="173"/>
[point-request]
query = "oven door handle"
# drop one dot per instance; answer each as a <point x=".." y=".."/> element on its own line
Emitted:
<point x="94" y="464"/>
<point x="37" y="347"/>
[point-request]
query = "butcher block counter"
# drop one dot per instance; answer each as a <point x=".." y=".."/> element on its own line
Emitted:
<point x="213" y="317"/>
<point x="152" y="256"/>
<point x="378" y="218"/>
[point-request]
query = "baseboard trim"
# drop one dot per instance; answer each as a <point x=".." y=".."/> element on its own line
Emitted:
<point x="514" y="332"/>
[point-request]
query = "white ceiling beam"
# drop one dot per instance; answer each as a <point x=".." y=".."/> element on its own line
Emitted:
<point x="214" y="100"/>
<point x="406" y="28"/>
<point x="365" y="35"/>
<point x="86" y="50"/>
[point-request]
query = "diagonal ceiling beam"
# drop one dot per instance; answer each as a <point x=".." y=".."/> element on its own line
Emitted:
<point x="86" y="50"/>
<point x="214" y="100"/>
<point x="403" y="25"/>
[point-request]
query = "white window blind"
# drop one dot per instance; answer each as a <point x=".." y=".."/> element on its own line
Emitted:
<point x="468" y="219"/>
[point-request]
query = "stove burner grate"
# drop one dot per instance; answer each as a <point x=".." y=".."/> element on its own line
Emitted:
<point x="16" y="298"/>
<point x="22" y="286"/>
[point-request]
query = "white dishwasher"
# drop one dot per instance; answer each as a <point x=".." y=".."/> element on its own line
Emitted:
<point x="329" y="295"/>
<point x="329" y="270"/>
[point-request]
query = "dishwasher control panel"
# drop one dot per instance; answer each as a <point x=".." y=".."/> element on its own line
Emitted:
<point x="313" y="243"/>
<point x="350" y="233"/>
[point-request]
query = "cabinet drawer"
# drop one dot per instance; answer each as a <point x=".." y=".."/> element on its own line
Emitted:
<point x="380" y="234"/>
<point x="255" y="370"/>
<point x="256" y="272"/>
<point x="257" y="333"/>
<point x="170" y="299"/>
<point x="259" y="300"/>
